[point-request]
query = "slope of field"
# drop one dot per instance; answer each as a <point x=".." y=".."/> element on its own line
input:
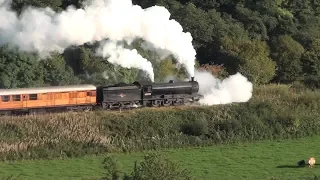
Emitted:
<point x="261" y="160"/>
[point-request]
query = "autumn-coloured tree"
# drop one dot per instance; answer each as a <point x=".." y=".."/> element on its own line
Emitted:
<point x="216" y="70"/>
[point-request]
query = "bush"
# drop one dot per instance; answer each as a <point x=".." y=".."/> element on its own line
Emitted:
<point x="312" y="82"/>
<point x="195" y="128"/>
<point x="154" y="166"/>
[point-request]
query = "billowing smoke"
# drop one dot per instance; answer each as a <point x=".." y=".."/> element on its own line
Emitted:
<point x="125" y="57"/>
<point x="4" y="2"/>
<point x="235" y="88"/>
<point x="42" y="30"/>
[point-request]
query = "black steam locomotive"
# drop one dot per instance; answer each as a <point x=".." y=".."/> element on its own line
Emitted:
<point x="148" y="94"/>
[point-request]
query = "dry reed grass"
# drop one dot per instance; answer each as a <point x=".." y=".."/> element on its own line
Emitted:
<point x="37" y="130"/>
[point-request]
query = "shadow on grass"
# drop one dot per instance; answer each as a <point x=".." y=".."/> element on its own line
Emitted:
<point x="295" y="166"/>
<point x="300" y="164"/>
<point x="291" y="166"/>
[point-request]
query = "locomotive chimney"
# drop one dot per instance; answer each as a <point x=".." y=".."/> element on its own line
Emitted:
<point x="192" y="78"/>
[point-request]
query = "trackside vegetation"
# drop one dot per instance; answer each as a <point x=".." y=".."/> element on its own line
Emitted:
<point x="274" y="112"/>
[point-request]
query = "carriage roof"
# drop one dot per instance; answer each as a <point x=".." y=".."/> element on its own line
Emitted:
<point x="50" y="89"/>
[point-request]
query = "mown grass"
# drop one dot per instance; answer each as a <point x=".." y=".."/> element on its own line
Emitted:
<point x="260" y="160"/>
<point x="274" y="112"/>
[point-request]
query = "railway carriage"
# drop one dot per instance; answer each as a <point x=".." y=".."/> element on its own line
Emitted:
<point x="27" y="100"/>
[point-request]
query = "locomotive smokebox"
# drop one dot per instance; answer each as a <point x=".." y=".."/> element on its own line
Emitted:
<point x="192" y="78"/>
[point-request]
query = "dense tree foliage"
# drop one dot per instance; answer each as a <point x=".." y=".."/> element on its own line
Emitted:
<point x="267" y="41"/>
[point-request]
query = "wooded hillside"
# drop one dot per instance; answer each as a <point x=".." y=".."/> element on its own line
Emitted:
<point x="267" y="41"/>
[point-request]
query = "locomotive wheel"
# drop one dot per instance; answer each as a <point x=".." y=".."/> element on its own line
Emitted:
<point x="135" y="104"/>
<point x="87" y="109"/>
<point x="156" y="103"/>
<point x="178" y="102"/>
<point x="167" y="103"/>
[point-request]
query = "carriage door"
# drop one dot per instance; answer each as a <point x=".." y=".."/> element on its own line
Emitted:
<point x="50" y="99"/>
<point x="73" y="97"/>
<point x="88" y="96"/>
<point x="24" y="100"/>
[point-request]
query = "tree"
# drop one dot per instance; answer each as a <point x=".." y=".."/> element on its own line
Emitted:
<point x="311" y="59"/>
<point x="19" y="69"/>
<point x="76" y="3"/>
<point x="252" y="22"/>
<point x="56" y="72"/>
<point x="255" y="63"/>
<point x="20" y="5"/>
<point x="311" y="65"/>
<point x="216" y="70"/>
<point x="165" y="68"/>
<point x="287" y="53"/>
<point x="252" y="59"/>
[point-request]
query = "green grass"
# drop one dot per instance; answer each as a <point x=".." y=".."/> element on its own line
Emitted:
<point x="262" y="160"/>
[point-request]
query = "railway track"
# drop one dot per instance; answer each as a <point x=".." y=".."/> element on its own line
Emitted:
<point x="98" y="109"/>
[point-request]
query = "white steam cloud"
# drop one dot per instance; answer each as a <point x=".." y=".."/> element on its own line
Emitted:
<point x="235" y="88"/>
<point x="125" y="57"/>
<point x="42" y="30"/>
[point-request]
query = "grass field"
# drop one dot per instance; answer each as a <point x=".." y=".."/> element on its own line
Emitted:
<point x="262" y="160"/>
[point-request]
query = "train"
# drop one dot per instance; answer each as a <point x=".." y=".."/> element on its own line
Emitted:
<point x="88" y="97"/>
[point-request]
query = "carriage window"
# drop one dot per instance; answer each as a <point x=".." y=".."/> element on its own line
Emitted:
<point x="5" y="98"/>
<point x="33" y="96"/>
<point x="16" y="97"/>
<point x="73" y="94"/>
<point x="92" y="93"/>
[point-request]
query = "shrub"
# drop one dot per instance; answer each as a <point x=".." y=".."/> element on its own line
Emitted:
<point x="154" y="166"/>
<point x="112" y="167"/>
<point x="312" y="82"/>
<point x="195" y="128"/>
